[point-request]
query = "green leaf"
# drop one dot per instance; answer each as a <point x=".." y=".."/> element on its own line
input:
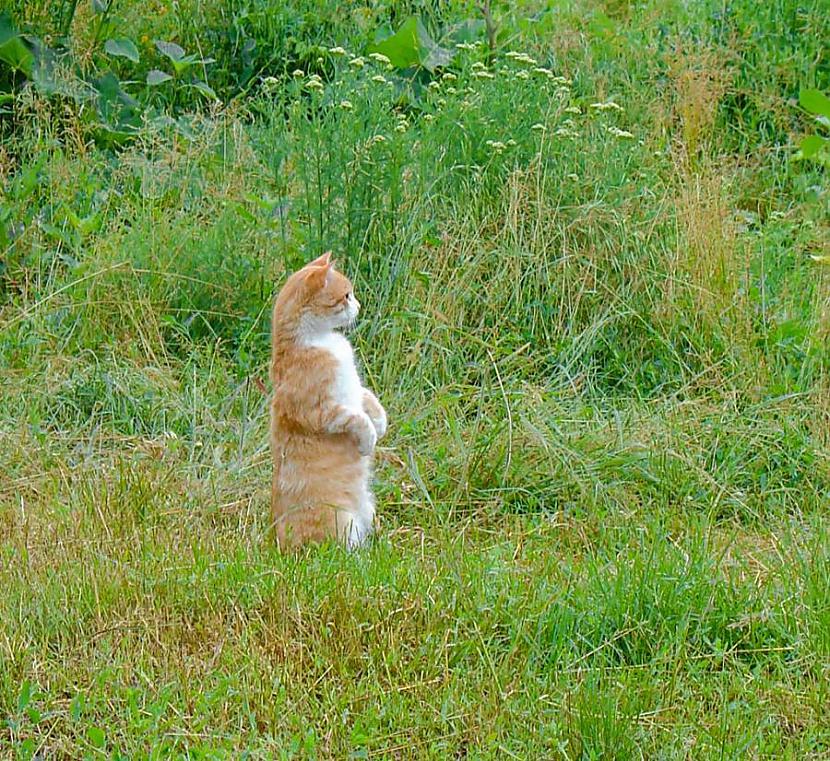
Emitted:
<point x="469" y="30"/>
<point x="183" y="64"/>
<point x="28" y="748"/>
<point x="123" y="48"/>
<point x="24" y="697"/>
<point x="412" y="46"/>
<point x="815" y="101"/>
<point x="13" y="51"/>
<point x="156" y="77"/>
<point x="205" y="89"/>
<point x="96" y="737"/>
<point x="90" y="224"/>
<point x="170" y="49"/>
<point x="811" y="145"/>
<point x="119" y="114"/>
<point x="76" y="707"/>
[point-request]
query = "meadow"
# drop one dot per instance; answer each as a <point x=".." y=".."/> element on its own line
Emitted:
<point x="591" y="240"/>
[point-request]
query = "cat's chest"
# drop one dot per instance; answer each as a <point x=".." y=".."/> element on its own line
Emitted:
<point x="347" y="389"/>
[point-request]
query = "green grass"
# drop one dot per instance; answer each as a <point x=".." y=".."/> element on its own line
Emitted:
<point x="598" y="332"/>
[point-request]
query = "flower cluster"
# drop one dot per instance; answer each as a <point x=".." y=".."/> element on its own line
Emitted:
<point x="381" y="58"/>
<point x="607" y="106"/>
<point x="315" y="83"/>
<point x="520" y="57"/>
<point x="621" y="133"/>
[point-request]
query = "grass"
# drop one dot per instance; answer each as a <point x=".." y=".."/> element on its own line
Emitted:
<point x="597" y="330"/>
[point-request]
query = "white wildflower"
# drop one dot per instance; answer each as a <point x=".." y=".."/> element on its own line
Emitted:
<point x="621" y="133"/>
<point x="338" y="51"/>
<point x="565" y="132"/>
<point x="346" y="105"/>
<point x="451" y="91"/>
<point x="573" y="110"/>
<point x="496" y="145"/>
<point x="400" y="127"/>
<point x="539" y="127"/>
<point x="465" y="46"/>
<point x="377" y="139"/>
<point x="380" y="58"/>
<point x="522" y="74"/>
<point x="448" y="76"/>
<point x="359" y="62"/>
<point x="572" y="177"/>
<point x="379" y="78"/>
<point x="521" y="57"/>
<point x="512" y="143"/>
<point x="434" y="86"/>
<point x="543" y="70"/>
<point x="269" y="84"/>
<point x="484" y="74"/>
<point x="429" y="118"/>
<point x="314" y="83"/>
<point x="607" y="106"/>
<point x="298" y="73"/>
<point x="478" y="65"/>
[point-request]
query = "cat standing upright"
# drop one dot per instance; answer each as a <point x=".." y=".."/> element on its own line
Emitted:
<point x="324" y="423"/>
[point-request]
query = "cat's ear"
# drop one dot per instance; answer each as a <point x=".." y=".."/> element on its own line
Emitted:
<point x="317" y="277"/>
<point x="321" y="261"/>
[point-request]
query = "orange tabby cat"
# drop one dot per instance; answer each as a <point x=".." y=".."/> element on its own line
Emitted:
<point x="324" y="423"/>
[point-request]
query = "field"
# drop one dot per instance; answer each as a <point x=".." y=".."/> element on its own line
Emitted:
<point x="596" y="304"/>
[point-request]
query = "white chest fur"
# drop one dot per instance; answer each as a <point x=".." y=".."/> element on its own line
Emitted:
<point x="348" y="389"/>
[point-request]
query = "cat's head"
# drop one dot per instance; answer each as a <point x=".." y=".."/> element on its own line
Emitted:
<point x="318" y="297"/>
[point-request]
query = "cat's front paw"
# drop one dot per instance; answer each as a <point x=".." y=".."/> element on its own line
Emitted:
<point x="379" y="421"/>
<point x="366" y="436"/>
<point x="374" y="409"/>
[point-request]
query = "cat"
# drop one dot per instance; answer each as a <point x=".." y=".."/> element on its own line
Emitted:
<point x="324" y="423"/>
